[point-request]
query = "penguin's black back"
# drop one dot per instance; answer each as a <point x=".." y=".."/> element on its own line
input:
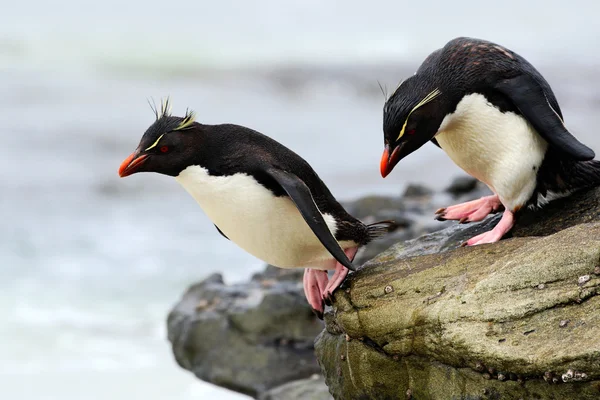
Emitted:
<point x="237" y="149"/>
<point x="469" y="65"/>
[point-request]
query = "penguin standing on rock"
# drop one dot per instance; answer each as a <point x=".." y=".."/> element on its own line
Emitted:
<point x="260" y="195"/>
<point x="497" y="118"/>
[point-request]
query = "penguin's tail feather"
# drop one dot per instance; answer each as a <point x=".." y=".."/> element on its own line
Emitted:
<point x="381" y="228"/>
<point x="584" y="175"/>
<point x="567" y="176"/>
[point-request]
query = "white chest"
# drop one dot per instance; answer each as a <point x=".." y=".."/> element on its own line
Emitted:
<point x="268" y="227"/>
<point x="500" y="149"/>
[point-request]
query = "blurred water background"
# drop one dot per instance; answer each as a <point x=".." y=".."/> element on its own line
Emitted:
<point x="90" y="264"/>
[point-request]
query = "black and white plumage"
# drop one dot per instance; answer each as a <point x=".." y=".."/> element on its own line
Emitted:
<point x="497" y="118"/>
<point x="260" y="195"/>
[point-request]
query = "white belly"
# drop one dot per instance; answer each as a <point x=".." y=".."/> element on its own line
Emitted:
<point x="268" y="227"/>
<point x="500" y="149"/>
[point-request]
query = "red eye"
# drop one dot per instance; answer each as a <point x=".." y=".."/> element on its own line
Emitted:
<point x="164" y="149"/>
<point x="411" y="132"/>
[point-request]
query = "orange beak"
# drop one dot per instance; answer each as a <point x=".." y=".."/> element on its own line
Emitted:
<point x="388" y="162"/>
<point x="131" y="164"/>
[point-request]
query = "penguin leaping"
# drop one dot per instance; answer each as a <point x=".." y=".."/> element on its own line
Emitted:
<point x="260" y="195"/>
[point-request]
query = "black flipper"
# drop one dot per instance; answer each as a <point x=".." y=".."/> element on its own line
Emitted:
<point x="221" y="232"/>
<point x="300" y="194"/>
<point x="528" y="95"/>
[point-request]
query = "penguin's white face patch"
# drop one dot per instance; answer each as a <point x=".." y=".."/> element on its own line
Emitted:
<point x="268" y="227"/>
<point x="500" y="149"/>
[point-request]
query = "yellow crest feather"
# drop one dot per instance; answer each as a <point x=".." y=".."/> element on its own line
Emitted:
<point x="165" y="108"/>
<point x="153" y="145"/>
<point x="165" y="111"/>
<point x="188" y="120"/>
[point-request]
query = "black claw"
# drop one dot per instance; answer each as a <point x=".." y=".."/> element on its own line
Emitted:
<point x="440" y="218"/>
<point x="319" y="314"/>
<point x="327" y="300"/>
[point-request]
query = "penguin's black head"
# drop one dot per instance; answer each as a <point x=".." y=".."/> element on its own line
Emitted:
<point x="167" y="147"/>
<point x="411" y="117"/>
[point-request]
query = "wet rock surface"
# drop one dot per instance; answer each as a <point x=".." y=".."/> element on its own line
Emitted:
<point x="249" y="337"/>
<point x="413" y="212"/>
<point x="313" y="388"/>
<point x="427" y="319"/>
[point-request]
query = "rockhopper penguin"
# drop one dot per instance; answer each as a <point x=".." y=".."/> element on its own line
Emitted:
<point x="497" y="118"/>
<point x="260" y="195"/>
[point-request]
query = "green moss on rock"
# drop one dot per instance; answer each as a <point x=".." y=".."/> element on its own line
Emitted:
<point x="516" y="319"/>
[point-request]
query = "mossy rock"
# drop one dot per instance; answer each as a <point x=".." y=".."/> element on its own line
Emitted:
<point x="515" y="319"/>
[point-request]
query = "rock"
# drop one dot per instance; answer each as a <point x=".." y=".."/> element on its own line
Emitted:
<point x="413" y="213"/>
<point x="416" y="190"/>
<point x="369" y="206"/>
<point x="379" y="208"/>
<point x="313" y="388"/>
<point x="248" y="337"/>
<point x="382" y="244"/>
<point x="441" y="322"/>
<point x="462" y="184"/>
<point x="279" y="274"/>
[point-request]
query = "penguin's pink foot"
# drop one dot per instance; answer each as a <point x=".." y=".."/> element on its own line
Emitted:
<point x="315" y="282"/>
<point x="336" y="280"/>
<point x="340" y="274"/>
<point x="506" y="223"/>
<point x="317" y="286"/>
<point x="471" y="211"/>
